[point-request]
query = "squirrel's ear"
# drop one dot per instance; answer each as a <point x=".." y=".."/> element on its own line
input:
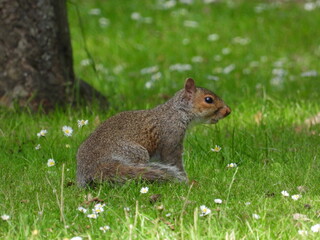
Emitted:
<point x="190" y="86"/>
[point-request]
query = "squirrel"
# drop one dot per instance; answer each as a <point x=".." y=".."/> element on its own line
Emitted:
<point x="147" y="144"/>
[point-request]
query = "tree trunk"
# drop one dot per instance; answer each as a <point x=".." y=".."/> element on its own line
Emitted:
<point x="36" y="67"/>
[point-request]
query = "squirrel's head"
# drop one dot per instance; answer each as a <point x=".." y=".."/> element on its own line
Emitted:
<point x="207" y="107"/>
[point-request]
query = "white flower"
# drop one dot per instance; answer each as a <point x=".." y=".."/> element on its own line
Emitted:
<point x="156" y="76"/>
<point x="204" y="210"/>
<point x="216" y="149"/>
<point x="232" y="165"/>
<point x="98" y="210"/>
<point x="67" y="131"/>
<point x="104" y="228"/>
<point x="309" y="6"/>
<point x="311" y="73"/>
<point x="144" y="190"/>
<point x="85" y="62"/>
<point x="228" y="69"/>
<point x="99" y="205"/>
<point x="302" y="232"/>
<point x="217" y="58"/>
<point x="95" y="11"/>
<point x="212" y="77"/>
<point x="226" y="51"/>
<point x="180" y="67"/>
<point x="197" y="59"/>
<point x="76" y="238"/>
<point x="68" y="146"/>
<point x="37" y="147"/>
<point x="315" y="228"/>
<point x="42" y="133"/>
<point x="82" y="123"/>
<point x="148" y="84"/>
<point x="218" y="201"/>
<point x="285" y="193"/>
<point x="135" y="16"/>
<point x="296" y="197"/>
<point x="92" y="215"/>
<point x="168" y="214"/>
<point x="126" y="209"/>
<point x="51" y="162"/>
<point x="255" y="216"/>
<point x="191" y="24"/>
<point x="241" y="41"/>
<point x="149" y="70"/>
<point x="213" y="37"/>
<point x="5" y="217"/>
<point x="82" y="209"/>
<point x="247" y="203"/>
<point x="104" y="22"/>
<point x="168" y="4"/>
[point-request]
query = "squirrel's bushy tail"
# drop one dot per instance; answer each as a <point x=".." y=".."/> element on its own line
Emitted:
<point x="115" y="171"/>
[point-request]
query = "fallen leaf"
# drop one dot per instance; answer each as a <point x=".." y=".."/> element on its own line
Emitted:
<point x="169" y="224"/>
<point x="154" y="198"/>
<point x="96" y="121"/>
<point x="312" y="120"/>
<point x="302" y="189"/>
<point x="258" y="117"/>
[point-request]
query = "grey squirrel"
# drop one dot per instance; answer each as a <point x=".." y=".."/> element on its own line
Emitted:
<point x="147" y="144"/>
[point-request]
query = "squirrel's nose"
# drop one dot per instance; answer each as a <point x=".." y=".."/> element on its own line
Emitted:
<point x="226" y="111"/>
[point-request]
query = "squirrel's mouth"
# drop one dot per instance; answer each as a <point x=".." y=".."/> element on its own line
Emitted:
<point x="214" y="121"/>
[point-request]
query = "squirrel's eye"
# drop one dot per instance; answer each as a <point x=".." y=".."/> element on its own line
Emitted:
<point x="208" y="99"/>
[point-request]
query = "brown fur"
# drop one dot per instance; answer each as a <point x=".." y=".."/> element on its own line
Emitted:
<point x="147" y="144"/>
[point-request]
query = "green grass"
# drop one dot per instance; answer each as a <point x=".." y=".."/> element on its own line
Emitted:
<point x="271" y="155"/>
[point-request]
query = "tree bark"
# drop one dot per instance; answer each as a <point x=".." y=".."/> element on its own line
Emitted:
<point x="36" y="67"/>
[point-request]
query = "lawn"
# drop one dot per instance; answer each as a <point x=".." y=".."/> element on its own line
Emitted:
<point x="261" y="57"/>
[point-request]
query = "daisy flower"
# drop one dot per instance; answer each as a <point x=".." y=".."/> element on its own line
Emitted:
<point x="302" y="232"/>
<point x="99" y="205"/>
<point x="97" y="210"/>
<point x="218" y="201"/>
<point x="204" y="210"/>
<point x="92" y="215"/>
<point x="51" y="162"/>
<point x="296" y="197"/>
<point x="232" y="165"/>
<point x="67" y="131"/>
<point x="216" y="149"/>
<point x="144" y="190"/>
<point x="82" y="209"/>
<point x="213" y="37"/>
<point x="5" y="217"/>
<point x="315" y="228"/>
<point x="42" y="133"/>
<point x="126" y="209"/>
<point x="285" y="193"/>
<point x="255" y="216"/>
<point x="76" y="238"/>
<point x="104" y="228"/>
<point x="82" y="123"/>
<point x="37" y="147"/>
